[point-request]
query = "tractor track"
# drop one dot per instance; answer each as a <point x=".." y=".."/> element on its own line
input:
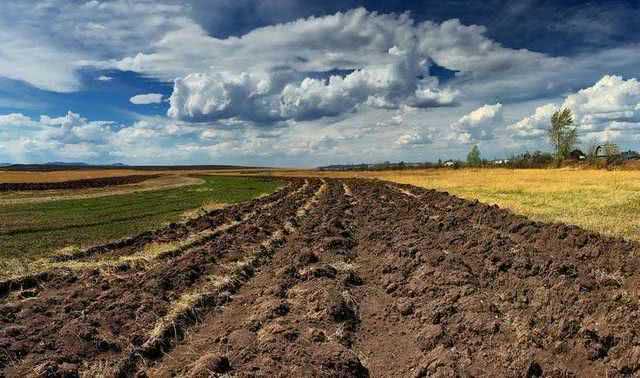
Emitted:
<point x="340" y="278"/>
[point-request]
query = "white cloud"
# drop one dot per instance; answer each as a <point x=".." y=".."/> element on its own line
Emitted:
<point x="146" y="99"/>
<point x="203" y="97"/>
<point x="534" y="126"/>
<point x="609" y="102"/>
<point x="465" y="48"/>
<point x="414" y="139"/>
<point x="43" y="43"/>
<point x="104" y="78"/>
<point x="74" y="129"/>
<point x="16" y="120"/>
<point x="478" y="125"/>
<point x="341" y="80"/>
<point x="608" y="109"/>
<point x="158" y="140"/>
<point x="254" y="97"/>
<point x="349" y="40"/>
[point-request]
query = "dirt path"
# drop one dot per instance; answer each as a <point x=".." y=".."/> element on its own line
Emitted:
<point x="342" y="278"/>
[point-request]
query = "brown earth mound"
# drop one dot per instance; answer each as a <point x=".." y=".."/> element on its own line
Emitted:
<point x="341" y="278"/>
<point x="100" y="182"/>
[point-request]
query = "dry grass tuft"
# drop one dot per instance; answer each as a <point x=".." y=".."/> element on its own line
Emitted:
<point x="202" y="210"/>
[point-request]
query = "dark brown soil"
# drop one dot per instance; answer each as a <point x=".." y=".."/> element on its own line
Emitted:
<point x="100" y="182"/>
<point x="372" y="280"/>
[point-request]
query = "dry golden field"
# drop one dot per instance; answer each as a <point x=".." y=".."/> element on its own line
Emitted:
<point x="603" y="201"/>
<point x="70" y="175"/>
<point x="59" y="176"/>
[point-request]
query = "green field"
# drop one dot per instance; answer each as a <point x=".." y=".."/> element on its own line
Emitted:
<point x="33" y="230"/>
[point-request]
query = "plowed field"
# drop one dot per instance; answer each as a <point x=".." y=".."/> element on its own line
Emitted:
<point x="334" y="278"/>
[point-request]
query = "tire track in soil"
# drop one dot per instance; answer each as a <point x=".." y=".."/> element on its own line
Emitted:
<point x="296" y="318"/>
<point x="100" y="315"/>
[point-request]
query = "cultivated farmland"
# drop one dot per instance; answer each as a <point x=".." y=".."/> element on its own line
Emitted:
<point x="606" y="202"/>
<point x="34" y="224"/>
<point x="333" y="277"/>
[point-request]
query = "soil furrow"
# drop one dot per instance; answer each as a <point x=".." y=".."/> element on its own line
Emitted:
<point x="366" y="278"/>
<point x="460" y="293"/>
<point x="187" y="310"/>
<point x="106" y="313"/>
<point x="300" y="306"/>
<point x="180" y="231"/>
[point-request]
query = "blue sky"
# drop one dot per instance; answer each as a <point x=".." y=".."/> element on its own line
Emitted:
<point x="305" y="83"/>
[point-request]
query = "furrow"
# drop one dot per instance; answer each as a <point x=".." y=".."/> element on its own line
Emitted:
<point x="193" y="305"/>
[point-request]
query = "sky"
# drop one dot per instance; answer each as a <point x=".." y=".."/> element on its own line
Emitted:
<point x="310" y="83"/>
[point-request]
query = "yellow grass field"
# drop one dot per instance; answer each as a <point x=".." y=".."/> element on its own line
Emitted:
<point x="81" y="174"/>
<point x="603" y="201"/>
<point x="59" y="176"/>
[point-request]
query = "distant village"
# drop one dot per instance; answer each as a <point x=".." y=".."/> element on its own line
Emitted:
<point x="606" y="154"/>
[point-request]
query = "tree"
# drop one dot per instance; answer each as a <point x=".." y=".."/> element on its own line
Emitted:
<point x="473" y="158"/>
<point x="562" y="135"/>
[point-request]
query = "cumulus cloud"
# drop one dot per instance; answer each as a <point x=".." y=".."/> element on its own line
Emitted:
<point x="74" y="129"/>
<point x="610" y="102"/>
<point x="478" y="125"/>
<point x="349" y="70"/>
<point x="146" y="99"/>
<point x="160" y="39"/>
<point x="207" y="97"/>
<point x="465" y="48"/>
<point x="72" y="136"/>
<point x="535" y="125"/>
<point x="104" y="78"/>
<point x="16" y="120"/>
<point x="606" y="109"/>
<point x="414" y="139"/>
<point x="254" y="97"/>
<point x="159" y="140"/>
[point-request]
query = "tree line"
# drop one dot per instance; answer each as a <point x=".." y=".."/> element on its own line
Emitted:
<point x="563" y="137"/>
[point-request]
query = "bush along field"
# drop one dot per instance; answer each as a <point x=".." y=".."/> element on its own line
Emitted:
<point x="33" y="230"/>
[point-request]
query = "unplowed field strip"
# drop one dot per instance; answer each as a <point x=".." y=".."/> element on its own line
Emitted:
<point x="342" y="278"/>
<point x="163" y="243"/>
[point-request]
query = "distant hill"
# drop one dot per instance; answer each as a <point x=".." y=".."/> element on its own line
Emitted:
<point x="63" y="164"/>
<point x="5" y="164"/>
